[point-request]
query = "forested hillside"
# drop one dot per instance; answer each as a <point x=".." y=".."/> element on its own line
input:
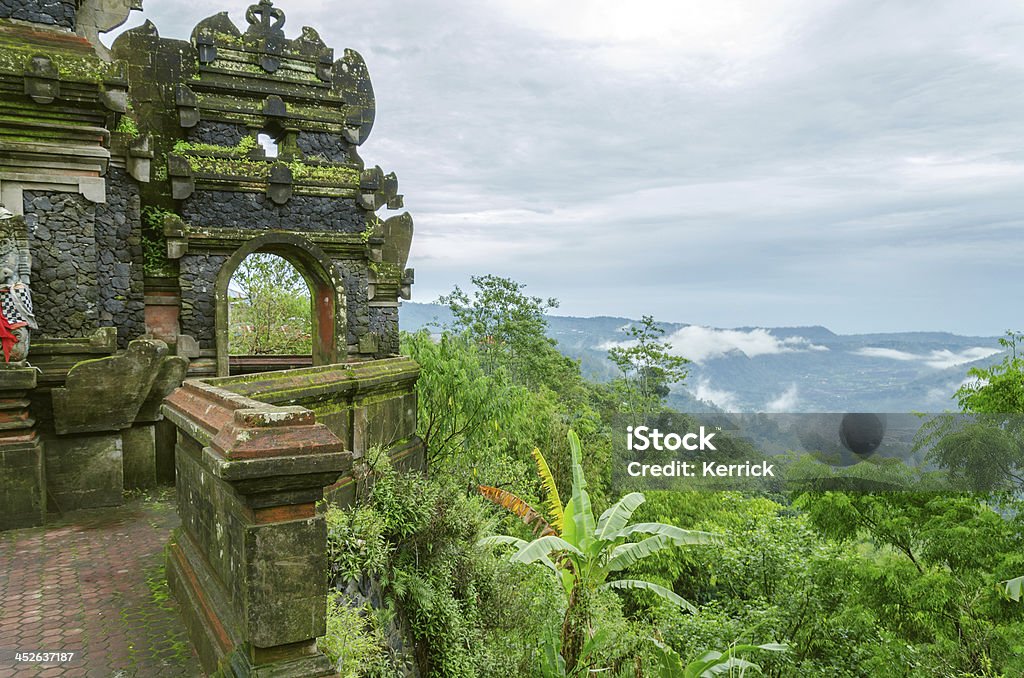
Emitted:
<point x="519" y="556"/>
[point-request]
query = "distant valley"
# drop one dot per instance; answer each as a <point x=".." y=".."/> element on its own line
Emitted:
<point x="780" y="369"/>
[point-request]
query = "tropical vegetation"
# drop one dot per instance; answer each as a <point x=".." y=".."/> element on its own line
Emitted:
<point x="519" y="554"/>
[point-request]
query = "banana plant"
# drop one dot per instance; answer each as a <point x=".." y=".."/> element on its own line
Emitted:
<point x="585" y="553"/>
<point x="1013" y="588"/>
<point x="711" y="663"/>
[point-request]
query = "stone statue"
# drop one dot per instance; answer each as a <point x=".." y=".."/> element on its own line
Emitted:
<point x="16" y="317"/>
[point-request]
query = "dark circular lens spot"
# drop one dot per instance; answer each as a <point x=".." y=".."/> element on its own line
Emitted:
<point x="861" y="433"/>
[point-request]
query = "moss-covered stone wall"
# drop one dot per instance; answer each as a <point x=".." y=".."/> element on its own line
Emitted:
<point x="119" y="270"/>
<point x="198" y="280"/>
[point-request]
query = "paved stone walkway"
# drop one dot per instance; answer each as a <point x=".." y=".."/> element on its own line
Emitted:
<point x="93" y="584"/>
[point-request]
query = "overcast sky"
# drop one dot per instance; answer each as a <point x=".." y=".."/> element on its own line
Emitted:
<point x="854" y="164"/>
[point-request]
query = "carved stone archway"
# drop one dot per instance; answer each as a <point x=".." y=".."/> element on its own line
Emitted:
<point x="326" y="288"/>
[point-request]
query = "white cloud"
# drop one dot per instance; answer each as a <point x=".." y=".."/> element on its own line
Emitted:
<point x="726" y="400"/>
<point x="699" y="344"/>
<point x="891" y="353"/>
<point x="785" y="402"/>
<point x="939" y="359"/>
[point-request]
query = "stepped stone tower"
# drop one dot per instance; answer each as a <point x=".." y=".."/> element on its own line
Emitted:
<point x="133" y="183"/>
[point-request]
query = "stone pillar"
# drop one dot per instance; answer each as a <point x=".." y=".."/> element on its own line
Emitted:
<point x="22" y="469"/>
<point x="249" y="563"/>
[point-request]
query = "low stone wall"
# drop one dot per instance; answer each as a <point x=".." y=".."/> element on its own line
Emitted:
<point x="254" y="454"/>
<point x="366" y="404"/>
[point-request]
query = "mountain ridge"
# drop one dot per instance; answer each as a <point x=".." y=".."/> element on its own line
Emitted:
<point x="757" y="368"/>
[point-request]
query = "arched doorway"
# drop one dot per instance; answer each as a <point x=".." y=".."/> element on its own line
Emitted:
<point x="325" y="285"/>
<point x="270" y="323"/>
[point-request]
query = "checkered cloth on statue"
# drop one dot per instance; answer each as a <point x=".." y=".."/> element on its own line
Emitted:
<point x="15" y="312"/>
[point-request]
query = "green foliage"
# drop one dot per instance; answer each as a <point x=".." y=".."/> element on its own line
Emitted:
<point x="934" y="570"/>
<point x="329" y="174"/>
<point x="127" y="125"/>
<point x="468" y="612"/>
<point x="354" y="642"/>
<point x="154" y="245"/>
<point x="856" y="584"/>
<point x="998" y="389"/>
<point x="508" y="327"/>
<point x="270" y="311"/>
<point x="356" y="542"/>
<point x="241" y="149"/>
<point x="481" y="428"/>
<point x="711" y="663"/>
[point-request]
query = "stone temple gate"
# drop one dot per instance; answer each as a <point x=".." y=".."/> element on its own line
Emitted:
<point x="133" y="182"/>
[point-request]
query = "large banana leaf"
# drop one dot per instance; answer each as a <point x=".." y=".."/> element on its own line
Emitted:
<point x="581" y="510"/>
<point x="624" y="555"/>
<point x="680" y="536"/>
<point x="569" y="524"/>
<point x="1013" y="588"/>
<point x="502" y="539"/>
<point x="520" y="508"/>
<point x="660" y="591"/>
<point x="552" y="501"/>
<point x="616" y="517"/>
<point x="714" y="663"/>
<point x="543" y="548"/>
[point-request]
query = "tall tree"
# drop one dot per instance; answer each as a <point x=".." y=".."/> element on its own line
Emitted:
<point x="509" y="328"/>
<point x="648" y="368"/>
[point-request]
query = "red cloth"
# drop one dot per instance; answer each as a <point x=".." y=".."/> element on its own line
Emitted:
<point x="7" y="337"/>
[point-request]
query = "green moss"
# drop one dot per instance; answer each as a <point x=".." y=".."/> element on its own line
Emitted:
<point x="371" y="226"/>
<point x="242" y="148"/>
<point x="15" y="57"/>
<point x="331" y="174"/>
<point x="240" y="67"/>
<point x="229" y="166"/>
<point x="386" y="271"/>
<point x="228" y="39"/>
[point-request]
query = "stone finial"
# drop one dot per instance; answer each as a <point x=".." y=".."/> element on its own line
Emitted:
<point x="397" y="240"/>
<point x="266" y="23"/>
<point x="265" y="20"/>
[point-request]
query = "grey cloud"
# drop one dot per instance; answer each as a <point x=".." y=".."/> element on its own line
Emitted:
<point x="862" y="171"/>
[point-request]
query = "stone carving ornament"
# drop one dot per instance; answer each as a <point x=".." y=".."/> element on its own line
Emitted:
<point x="16" y="317"/>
